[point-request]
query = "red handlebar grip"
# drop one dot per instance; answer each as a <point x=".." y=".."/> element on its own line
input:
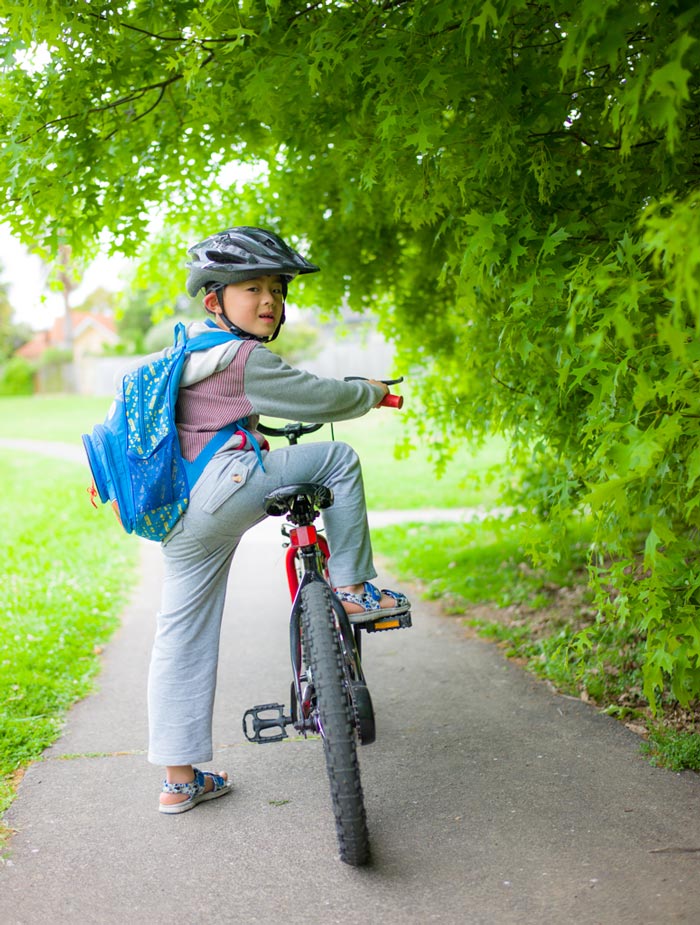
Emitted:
<point x="392" y="401"/>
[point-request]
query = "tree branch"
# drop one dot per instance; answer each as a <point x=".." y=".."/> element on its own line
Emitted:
<point x="584" y="141"/>
<point x="126" y="25"/>
<point x="170" y="38"/>
<point x="506" y="386"/>
<point x="130" y="98"/>
<point x="140" y="115"/>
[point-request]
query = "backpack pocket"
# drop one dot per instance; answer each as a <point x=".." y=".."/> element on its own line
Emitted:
<point x="159" y="487"/>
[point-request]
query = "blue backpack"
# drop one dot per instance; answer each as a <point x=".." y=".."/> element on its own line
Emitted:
<point x="135" y="456"/>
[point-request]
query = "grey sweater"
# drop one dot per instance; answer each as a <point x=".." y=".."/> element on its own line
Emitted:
<point x="243" y="379"/>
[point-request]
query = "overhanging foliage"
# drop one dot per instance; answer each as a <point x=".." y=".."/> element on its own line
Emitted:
<point x="511" y="186"/>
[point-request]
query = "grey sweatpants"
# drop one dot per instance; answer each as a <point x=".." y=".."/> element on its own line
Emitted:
<point x="226" y="501"/>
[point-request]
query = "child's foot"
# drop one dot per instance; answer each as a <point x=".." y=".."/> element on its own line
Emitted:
<point x="205" y="785"/>
<point x="365" y="602"/>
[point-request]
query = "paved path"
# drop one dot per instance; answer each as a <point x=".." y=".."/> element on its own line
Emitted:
<point x="491" y="800"/>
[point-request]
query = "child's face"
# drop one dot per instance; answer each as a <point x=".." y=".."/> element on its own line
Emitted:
<point x="254" y="305"/>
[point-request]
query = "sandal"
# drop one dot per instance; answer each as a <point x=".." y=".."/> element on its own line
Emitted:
<point x="369" y="602"/>
<point x="196" y="791"/>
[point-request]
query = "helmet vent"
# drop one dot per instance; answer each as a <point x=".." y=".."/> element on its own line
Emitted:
<point x="223" y="257"/>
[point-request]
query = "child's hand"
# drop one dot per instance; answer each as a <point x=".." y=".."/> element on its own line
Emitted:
<point x="383" y="386"/>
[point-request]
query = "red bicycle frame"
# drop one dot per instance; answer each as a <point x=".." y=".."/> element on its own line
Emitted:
<point x="298" y="538"/>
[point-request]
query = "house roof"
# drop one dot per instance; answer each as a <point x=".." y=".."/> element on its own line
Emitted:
<point x="56" y="336"/>
<point x="82" y="321"/>
<point x="33" y="349"/>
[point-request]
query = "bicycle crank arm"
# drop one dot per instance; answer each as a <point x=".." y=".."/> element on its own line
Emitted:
<point x="263" y="729"/>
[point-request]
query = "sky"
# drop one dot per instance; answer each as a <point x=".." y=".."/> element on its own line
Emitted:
<point x="33" y="302"/>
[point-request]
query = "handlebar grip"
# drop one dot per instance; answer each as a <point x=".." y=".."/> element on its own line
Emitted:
<point x="392" y="401"/>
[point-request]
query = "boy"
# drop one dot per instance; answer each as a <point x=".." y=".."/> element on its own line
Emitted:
<point x="245" y="273"/>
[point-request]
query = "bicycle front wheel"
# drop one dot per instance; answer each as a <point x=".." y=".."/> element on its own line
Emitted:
<point x="335" y="722"/>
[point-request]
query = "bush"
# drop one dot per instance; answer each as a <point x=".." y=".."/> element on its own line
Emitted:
<point x="17" y="377"/>
<point x="55" y="356"/>
<point x="297" y="342"/>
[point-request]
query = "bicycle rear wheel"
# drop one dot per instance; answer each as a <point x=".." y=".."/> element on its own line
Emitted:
<point x="335" y="721"/>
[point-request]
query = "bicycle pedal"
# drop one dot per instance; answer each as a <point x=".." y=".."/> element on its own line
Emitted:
<point x="398" y="622"/>
<point x="263" y="729"/>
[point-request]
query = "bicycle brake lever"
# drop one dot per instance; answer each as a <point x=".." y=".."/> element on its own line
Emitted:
<point x="364" y="379"/>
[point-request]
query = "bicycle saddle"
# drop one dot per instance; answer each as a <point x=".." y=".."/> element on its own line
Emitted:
<point x="284" y="500"/>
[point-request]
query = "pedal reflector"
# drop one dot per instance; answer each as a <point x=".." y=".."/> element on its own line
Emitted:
<point x="389" y="623"/>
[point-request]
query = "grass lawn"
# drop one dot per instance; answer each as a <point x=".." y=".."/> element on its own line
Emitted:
<point x="481" y="562"/>
<point x="65" y="580"/>
<point x="61" y="417"/>
<point x="409" y="482"/>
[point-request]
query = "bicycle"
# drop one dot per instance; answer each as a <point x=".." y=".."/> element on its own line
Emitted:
<point x="329" y="692"/>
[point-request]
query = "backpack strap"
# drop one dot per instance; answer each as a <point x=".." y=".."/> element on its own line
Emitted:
<point x="204" y="341"/>
<point x="195" y="468"/>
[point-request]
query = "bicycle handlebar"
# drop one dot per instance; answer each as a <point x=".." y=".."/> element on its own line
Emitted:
<point x="292" y="432"/>
<point x="289" y="430"/>
<point x="389" y="401"/>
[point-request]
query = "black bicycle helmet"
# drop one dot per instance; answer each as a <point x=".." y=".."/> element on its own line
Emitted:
<point x="237" y="254"/>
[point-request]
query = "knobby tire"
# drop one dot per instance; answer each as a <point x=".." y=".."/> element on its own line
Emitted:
<point x="325" y="660"/>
